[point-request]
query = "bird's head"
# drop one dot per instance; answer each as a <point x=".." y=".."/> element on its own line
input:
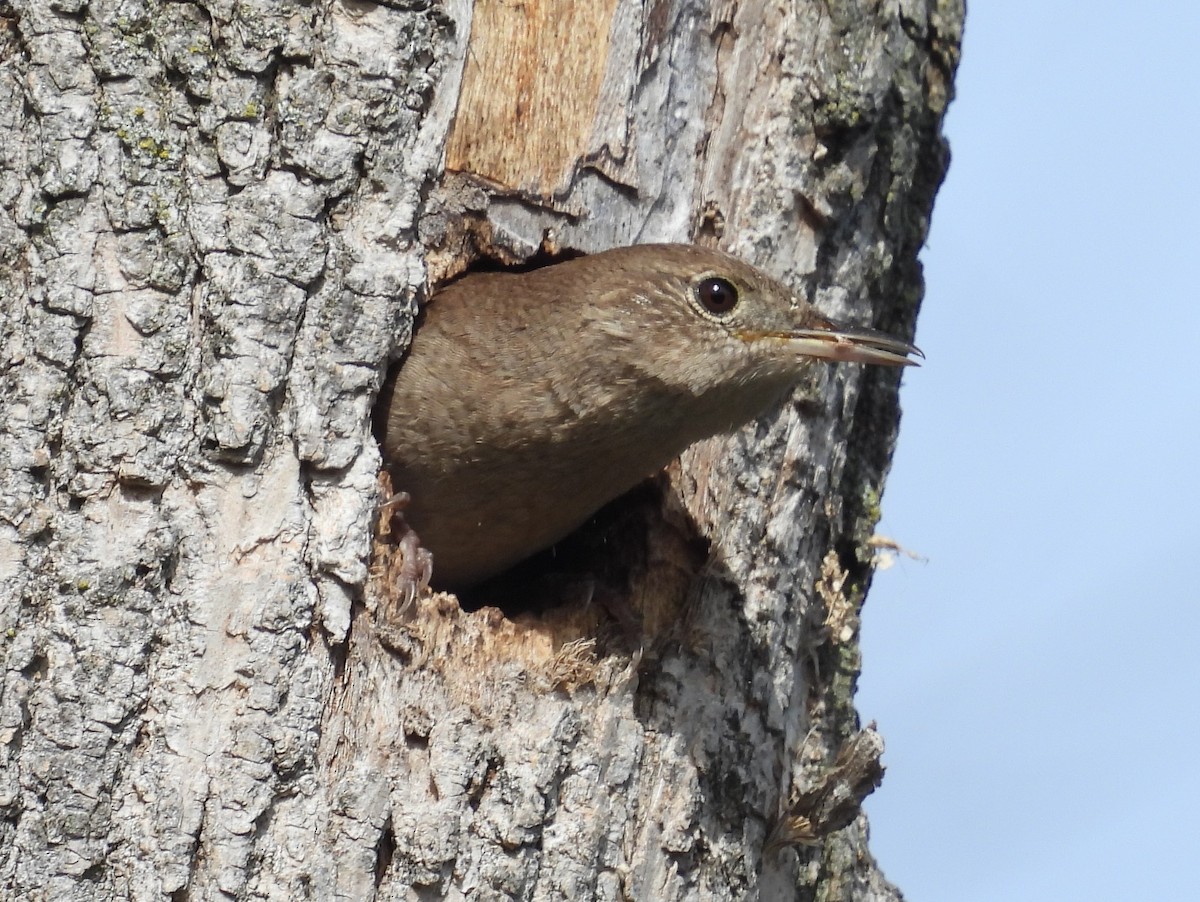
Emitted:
<point x="700" y="320"/>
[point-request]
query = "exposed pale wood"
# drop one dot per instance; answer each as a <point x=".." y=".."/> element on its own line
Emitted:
<point x="529" y="91"/>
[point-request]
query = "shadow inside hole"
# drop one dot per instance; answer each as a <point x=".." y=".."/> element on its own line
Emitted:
<point x="598" y="562"/>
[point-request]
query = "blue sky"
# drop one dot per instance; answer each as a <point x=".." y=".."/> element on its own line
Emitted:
<point x="1038" y="679"/>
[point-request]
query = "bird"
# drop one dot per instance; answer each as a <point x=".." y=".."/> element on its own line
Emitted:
<point x="528" y="400"/>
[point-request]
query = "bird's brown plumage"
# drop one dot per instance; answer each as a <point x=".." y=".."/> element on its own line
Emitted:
<point x="528" y="401"/>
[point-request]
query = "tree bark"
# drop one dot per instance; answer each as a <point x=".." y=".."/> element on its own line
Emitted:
<point x="217" y="221"/>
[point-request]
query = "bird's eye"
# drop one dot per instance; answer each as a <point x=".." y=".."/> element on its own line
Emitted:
<point x="717" y="295"/>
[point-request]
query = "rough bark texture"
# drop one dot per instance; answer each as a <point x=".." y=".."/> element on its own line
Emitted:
<point x="216" y="222"/>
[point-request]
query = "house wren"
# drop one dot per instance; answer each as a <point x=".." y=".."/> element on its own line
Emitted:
<point x="528" y="401"/>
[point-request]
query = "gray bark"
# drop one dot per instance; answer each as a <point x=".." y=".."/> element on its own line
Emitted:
<point x="216" y="223"/>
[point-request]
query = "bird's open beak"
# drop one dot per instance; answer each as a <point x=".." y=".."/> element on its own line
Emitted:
<point x="832" y="341"/>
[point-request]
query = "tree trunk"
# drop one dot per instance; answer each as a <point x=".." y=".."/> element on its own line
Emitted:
<point x="216" y="223"/>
